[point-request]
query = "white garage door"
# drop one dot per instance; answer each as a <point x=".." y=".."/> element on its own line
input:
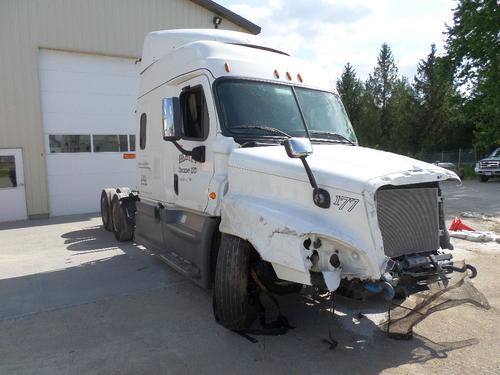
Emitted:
<point x="88" y="104"/>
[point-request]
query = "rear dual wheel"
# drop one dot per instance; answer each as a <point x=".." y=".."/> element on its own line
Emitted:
<point x="106" y="209"/>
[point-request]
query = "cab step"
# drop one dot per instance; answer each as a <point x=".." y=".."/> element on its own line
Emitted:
<point x="181" y="265"/>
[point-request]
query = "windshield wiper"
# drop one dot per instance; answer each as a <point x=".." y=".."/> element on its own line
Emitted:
<point x="266" y="128"/>
<point x="338" y="135"/>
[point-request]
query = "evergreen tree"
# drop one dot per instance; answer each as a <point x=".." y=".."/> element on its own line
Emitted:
<point x="380" y="85"/>
<point x="350" y="90"/>
<point x="432" y="91"/>
<point x="440" y="126"/>
<point x="404" y="119"/>
<point x="368" y="127"/>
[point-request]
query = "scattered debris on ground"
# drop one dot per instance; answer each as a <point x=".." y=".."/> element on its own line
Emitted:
<point x="441" y="295"/>
<point x="458" y="229"/>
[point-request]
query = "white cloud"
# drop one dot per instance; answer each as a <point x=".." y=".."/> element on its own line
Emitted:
<point x="333" y="32"/>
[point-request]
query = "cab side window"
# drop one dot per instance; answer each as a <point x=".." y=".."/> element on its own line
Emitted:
<point x="194" y="114"/>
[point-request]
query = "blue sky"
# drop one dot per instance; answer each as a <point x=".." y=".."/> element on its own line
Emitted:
<point x="333" y="32"/>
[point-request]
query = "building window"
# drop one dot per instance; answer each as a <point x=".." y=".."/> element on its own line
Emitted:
<point x="131" y="139"/>
<point x="142" y="132"/>
<point x="69" y="143"/>
<point x="194" y="114"/>
<point x="110" y="143"/>
<point x="8" y="176"/>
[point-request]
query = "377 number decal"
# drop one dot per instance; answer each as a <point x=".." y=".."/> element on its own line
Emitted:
<point x="347" y="203"/>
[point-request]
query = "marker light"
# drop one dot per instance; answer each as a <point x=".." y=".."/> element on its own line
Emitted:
<point x="288" y="76"/>
<point x="299" y="77"/>
<point x="212" y="195"/>
<point x="227" y="68"/>
<point x="276" y="73"/>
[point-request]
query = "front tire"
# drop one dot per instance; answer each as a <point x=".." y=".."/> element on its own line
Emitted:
<point x="235" y="293"/>
<point x="267" y="276"/>
<point x="121" y="229"/>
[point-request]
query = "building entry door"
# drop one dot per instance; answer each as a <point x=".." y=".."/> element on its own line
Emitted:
<point x="12" y="192"/>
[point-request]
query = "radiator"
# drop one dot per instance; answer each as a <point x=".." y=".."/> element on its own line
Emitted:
<point x="408" y="219"/>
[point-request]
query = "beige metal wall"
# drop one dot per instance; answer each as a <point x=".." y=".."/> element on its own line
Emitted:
<point x="109" y="27"/>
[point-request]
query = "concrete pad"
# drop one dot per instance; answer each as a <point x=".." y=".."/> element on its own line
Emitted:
<point x="73" y="301"/>
<point x="45" y="267"/>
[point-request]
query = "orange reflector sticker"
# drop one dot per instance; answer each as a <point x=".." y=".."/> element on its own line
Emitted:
<point x="129" y="156"/>
<point x="212" y="195"/>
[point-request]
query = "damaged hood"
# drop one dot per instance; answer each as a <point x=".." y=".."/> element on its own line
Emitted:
<point x="350" y="168"/>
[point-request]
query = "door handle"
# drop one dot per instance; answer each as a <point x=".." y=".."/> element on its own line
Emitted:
<point x="176" y="184"/>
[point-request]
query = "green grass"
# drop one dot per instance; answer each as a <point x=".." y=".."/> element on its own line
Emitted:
<point x="469" y="173"/>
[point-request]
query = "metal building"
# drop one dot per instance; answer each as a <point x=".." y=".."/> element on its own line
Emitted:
<point x="68" y="85"/>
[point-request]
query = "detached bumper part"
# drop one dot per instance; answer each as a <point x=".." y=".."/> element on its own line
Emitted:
<point x="413" y="274"/>
<point x="332" y="279"/>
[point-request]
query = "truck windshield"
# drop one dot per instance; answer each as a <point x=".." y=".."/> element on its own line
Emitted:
<point x="252" y="103"/>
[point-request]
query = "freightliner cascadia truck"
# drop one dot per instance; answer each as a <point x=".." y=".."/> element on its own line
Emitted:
<point x="249" y="174"/>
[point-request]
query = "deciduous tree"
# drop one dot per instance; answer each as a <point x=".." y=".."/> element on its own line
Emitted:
<point x="473" y="45"/>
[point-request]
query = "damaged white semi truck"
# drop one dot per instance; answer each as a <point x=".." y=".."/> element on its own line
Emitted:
<point x="249" y="174"/>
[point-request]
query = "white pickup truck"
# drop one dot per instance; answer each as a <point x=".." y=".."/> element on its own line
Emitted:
<point x="249" y="174"/>
<point x="489" y="166"/>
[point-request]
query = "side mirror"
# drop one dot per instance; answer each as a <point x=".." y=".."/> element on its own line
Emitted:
<point x="298" y="147"/>
<point x="171" y="119"/>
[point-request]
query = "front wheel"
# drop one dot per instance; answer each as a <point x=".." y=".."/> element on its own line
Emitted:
<point x="235" y="293"/>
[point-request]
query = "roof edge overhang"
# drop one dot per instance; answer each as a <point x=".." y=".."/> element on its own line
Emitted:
<point x="231" y="16"/>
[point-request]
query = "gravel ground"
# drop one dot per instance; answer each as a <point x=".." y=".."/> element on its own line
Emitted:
<point x="74" y="301"/>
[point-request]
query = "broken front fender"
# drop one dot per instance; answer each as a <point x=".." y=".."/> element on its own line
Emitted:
<point x="289" y="237"/>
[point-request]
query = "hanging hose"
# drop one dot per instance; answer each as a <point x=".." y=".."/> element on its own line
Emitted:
<point x="379" y="287"/>
<point x="278" y="327"/>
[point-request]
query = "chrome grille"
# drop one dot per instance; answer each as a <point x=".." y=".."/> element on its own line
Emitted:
<point x="408" y="220"/>
<point x="489" y="164"/>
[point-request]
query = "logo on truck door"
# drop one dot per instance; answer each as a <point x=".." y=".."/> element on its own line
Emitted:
<point x="187" y="169"/>
<point x="345" y="203"/>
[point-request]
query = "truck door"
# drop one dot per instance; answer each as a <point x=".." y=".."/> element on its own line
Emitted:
<point x="191" y="178"/>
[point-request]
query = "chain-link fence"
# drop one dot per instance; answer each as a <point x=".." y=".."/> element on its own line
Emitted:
<point x="459" y="157"/>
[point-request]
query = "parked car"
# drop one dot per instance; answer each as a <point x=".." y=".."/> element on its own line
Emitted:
<point x="489" y="166"/>
<point x="451" y="167"/>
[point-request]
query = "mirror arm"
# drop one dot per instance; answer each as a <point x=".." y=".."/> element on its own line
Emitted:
<point x="197" y="153"/>
<point x="310" y="175"/>
<point x="321" y="197"/>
